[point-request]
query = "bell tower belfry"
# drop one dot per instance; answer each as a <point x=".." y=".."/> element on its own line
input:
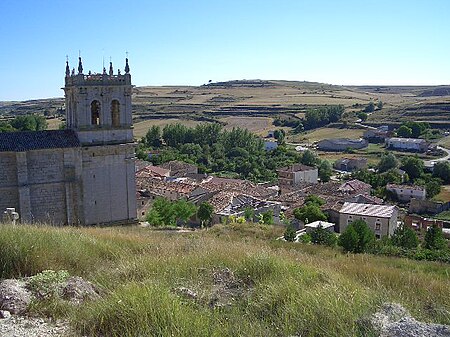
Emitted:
<point x="98" y="109"/>
<point x="98" y="106"/>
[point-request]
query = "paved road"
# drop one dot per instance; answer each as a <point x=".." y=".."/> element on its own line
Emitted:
<point x="434" y="161"/>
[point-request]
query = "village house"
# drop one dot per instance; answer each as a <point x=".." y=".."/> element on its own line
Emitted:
<point x="297" y="174"/>
<point x="421" y="224"/>
<point x="350" y="164"/>
<point x="270" y="144"/>
<point x="355" y="186"/>
<point x="341" y="144"/>
<point x="418" y="206"/>
<point x="382" y="219"/>
<point x="179" y="169"/>
<point x="405" y="193"/>
<point x="322" y="224"/>
<point x="152" y="171"/>
<point x="377" y="135"/>
<point x="407" y="144"/>
<point x="228" y="204"/>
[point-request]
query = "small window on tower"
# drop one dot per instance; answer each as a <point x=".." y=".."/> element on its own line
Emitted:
<point x="95" y="113"/>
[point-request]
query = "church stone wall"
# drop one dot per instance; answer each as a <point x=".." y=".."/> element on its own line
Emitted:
<point x="48" y="203"/>
<point x="9" y="194"/>
<point x="8" y="173"/>
<point x="108" y="174"/>
<point x="45" y="166"/>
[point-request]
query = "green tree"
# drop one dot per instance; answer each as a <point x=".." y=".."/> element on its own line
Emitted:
<point x="370" y="107"/>
<point x="279" y="135"/>
<point x="309" y="158"/>
<point x="153" y="136"/>
<point x="362" y="115"/>
<point x="314" y="199"/>
<point x="184" y="210"/>
<point x="442" y="170"/>
<point x="325" y="171"/>
<point x="321" y="236"/>
<point x="404" y="131"/>
<point x="29" y="123"/>
<point x="434" y="240"/>
<point x="405" y="237"/>
<point x="290" y="233"/>
<point x="249" y="213"/>
<point x="432" y="187"/>
<point x="380" y="105"/>
<point x="205" y="212"/>
<point x="365" y="237"/>
<point x="309" y="213"/>
<point x="413" y="166"/>
<point x="349" y="239"/>
<point x="387" y="162"/>
<point x="154" y="218"/>
<point x="6" y="127"/>
<point x="266" y="217"/>
<point x="417" y="128"/>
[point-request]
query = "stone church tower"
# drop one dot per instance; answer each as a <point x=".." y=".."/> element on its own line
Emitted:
<point x="98" y="109"/>
<point x="83" y="175"/>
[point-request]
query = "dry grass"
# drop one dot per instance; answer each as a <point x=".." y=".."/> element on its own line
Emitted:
<point x="54" y="123"/>
<point x="284" y="288"/>
<point x="258" y="125"/>
<point x="322" y="133"/>
<point x="445" y="142"/>
<point x="444" y="195"/>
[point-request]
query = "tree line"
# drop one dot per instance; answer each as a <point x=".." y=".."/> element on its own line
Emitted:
<point x="24" y="123"/>
<point x="234" y="153"/>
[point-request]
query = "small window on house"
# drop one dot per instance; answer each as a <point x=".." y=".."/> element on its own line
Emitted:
<point x="115" y="113"/>
<point x="142" y="202"/>
<point x="95" y="113"/>
<point x="377" y="226"/>
<point x="378" y="236"/>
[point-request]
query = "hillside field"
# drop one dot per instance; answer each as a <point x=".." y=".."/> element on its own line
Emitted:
<point x="269" y="99"/>
<point x="239" y="281"/>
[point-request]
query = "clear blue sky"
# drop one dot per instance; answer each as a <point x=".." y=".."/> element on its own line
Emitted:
<point x="193" y="41"/>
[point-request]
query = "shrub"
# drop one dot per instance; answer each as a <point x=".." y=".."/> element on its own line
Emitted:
<point x="357" y="237"/>
<point x="321" y="236"/>
<point x="405" y="237"/>
<point x="45" y="284"/>
<point x="289" y="233"/>
<point x="434" y="240"/>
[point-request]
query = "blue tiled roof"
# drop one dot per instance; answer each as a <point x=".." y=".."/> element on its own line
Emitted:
<point x="35" y="140"/>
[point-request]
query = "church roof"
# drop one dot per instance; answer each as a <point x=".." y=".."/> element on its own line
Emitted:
<point x="36" y="140"/>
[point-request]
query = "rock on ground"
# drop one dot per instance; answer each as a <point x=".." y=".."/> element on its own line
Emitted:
<point x="14" y="297"/>
<point x="77" y="290"/>
<point x="394" y="321"/>
<point x="20" y="326"/>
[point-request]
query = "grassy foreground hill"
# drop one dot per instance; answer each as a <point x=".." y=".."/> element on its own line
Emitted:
<point x="224" y="281"/>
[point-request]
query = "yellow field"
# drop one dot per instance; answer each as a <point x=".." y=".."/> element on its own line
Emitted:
<point x="258" y="125"/>
<point x="322" y="133"/>
<point x="445" y="142"/>
<point x="54" y="123"/>
<point x="444" y="195"/>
